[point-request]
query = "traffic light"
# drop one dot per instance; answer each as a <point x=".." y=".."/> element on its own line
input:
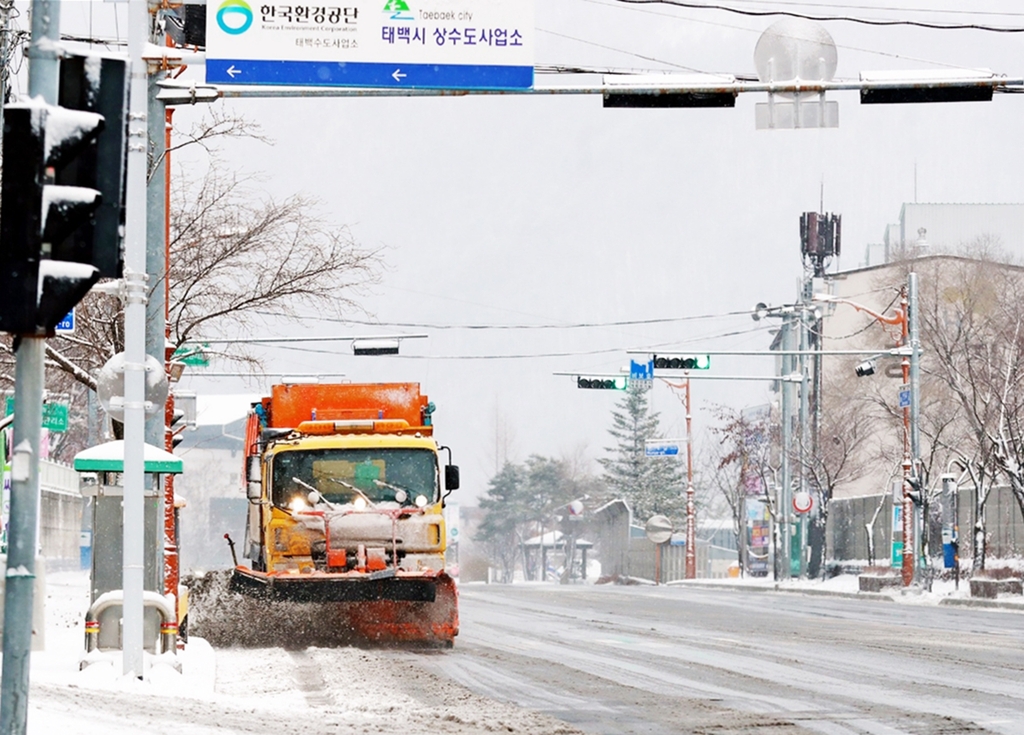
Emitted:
<point x="682" y="362"/>
<point x="177" y="426"/>
<point x="602" y="383"/>
<point x="56" y="239"/>
<point x="100" y="85"/>
<point x="36" y="293"/>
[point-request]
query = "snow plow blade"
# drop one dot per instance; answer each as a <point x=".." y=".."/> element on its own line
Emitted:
<point x="383" y="585"/>
<point x="252" y="609"/>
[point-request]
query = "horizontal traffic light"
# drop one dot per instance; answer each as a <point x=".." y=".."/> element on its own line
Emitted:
<point x="602" y="383"/>
<point x="682" y="362"/>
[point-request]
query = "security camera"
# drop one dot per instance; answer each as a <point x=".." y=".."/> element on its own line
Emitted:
<point x="865" y="368"/>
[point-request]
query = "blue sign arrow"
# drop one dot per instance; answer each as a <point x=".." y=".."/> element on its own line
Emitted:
<point x="367" y="74"/>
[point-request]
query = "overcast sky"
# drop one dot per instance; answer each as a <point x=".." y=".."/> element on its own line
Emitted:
<point x="550" y="210"/>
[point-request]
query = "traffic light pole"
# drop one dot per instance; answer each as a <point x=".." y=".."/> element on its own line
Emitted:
<point x="43" y="74"/>
<point x="135" y="343"/>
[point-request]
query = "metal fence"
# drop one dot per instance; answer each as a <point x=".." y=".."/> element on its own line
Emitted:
<point x="849" y="517"/>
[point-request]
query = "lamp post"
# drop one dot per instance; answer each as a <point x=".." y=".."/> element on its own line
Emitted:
<point x="905" y="318"/>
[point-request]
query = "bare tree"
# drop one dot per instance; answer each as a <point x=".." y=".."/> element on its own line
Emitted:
<point x="234" y="252"/>
<point x="747" y="439"/>
<point x="971" y="315"/>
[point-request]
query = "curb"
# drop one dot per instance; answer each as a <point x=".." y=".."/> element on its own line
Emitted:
<point x="975" y="602"/>
<point x="878" y="596"/>
<point x="776" y="588"/>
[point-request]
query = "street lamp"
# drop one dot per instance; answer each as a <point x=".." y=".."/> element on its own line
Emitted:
<point x="904" y="318"/>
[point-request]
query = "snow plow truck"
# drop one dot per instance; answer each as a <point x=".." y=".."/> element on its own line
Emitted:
<point x="345" y="536"/>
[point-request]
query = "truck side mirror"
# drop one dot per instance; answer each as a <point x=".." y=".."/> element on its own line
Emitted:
<point x="253" y="486"/>
<point x="451" y="477"/>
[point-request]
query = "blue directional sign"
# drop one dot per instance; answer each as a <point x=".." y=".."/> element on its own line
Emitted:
<point x="414" y="44"/>
<point x="904" y="396"/>
<point x="641" y="370"/>
<point x="662" y="448"/>
<point x="67" y="324"/>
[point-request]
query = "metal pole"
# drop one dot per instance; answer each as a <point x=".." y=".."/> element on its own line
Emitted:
<point x="915" y="403"/>
<point x="805" y="454"/>
<point x="691" y="506"/>
<point x="135" y="344"/>
<point x="19" y="599"/>
<point x="785" y="499"/>
<point x="907" y="509"/>
<point x="158" y="264"/>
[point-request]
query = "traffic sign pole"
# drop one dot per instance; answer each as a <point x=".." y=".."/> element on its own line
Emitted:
<point x="691" y="506"/>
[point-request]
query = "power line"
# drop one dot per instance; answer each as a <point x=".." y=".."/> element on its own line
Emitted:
<point x="830" y="18"/>
<point x="537" y="355"/>
<point x="887" y="8"/>
<point x="483" y="327"/>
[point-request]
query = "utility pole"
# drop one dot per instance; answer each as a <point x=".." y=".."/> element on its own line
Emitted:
<point x="805" y="425"/>
<point x="914" y="340"/>
<point x="43" y="75"/>
<point x="691" y="506"/>
<point x="785" y="495"/>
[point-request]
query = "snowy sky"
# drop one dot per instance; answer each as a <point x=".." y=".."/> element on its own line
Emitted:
<point x="549" y="210"/>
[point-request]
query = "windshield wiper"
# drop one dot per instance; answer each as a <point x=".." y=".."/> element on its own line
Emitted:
<point x="397" y="489"/>
<point x="354" y="489"/>
<point x="313" y="491"/>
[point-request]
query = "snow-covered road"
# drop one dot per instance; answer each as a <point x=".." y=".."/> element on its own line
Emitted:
<point x="547" y="659"/>
<point x="665" y="660"/>
<point x="259" y="691"/>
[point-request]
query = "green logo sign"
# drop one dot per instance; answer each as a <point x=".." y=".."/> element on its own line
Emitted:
<point x="234" y="17"/>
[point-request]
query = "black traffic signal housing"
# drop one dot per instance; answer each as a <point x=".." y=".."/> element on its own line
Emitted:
<point x="52" y="187"/>
<point x="682" y="362"/>
<point x="178" y="425"/>
<point x="35" y="291"/>
<point x="602" y="383"/>
<point x="97" y="84"/>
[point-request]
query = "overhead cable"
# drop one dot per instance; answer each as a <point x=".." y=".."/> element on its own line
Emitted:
<point x="830" y="18"/>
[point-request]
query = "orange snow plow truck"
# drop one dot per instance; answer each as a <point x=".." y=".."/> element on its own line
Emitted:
<point x="345" y="534"/>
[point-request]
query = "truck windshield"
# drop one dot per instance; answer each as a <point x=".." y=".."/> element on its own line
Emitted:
<point x="341" y="475"/>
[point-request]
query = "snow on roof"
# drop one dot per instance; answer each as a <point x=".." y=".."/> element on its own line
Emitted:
<point x="217" y="410"/>
<point x="109" y="457"/>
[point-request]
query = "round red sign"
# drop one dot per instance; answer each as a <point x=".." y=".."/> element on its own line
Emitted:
<point x="802" y="502"/>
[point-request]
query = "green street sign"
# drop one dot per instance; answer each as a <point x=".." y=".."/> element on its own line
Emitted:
<point x="55" y="415"/>
<point x="192" y="355"/>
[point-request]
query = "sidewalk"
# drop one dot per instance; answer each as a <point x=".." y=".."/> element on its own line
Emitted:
<point x="943" y="592"/>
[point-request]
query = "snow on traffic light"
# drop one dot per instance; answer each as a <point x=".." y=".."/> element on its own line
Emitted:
<point x="57" y="237"/>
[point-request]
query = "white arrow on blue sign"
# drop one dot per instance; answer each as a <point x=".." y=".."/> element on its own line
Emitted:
<point x="904" y="396"/>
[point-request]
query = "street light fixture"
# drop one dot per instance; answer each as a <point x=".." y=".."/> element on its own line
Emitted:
<point x="907" y="348"/>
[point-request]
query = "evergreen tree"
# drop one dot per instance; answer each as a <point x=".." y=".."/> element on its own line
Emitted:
<point x="501" y="527"/>
<point x="651" y="485"/>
